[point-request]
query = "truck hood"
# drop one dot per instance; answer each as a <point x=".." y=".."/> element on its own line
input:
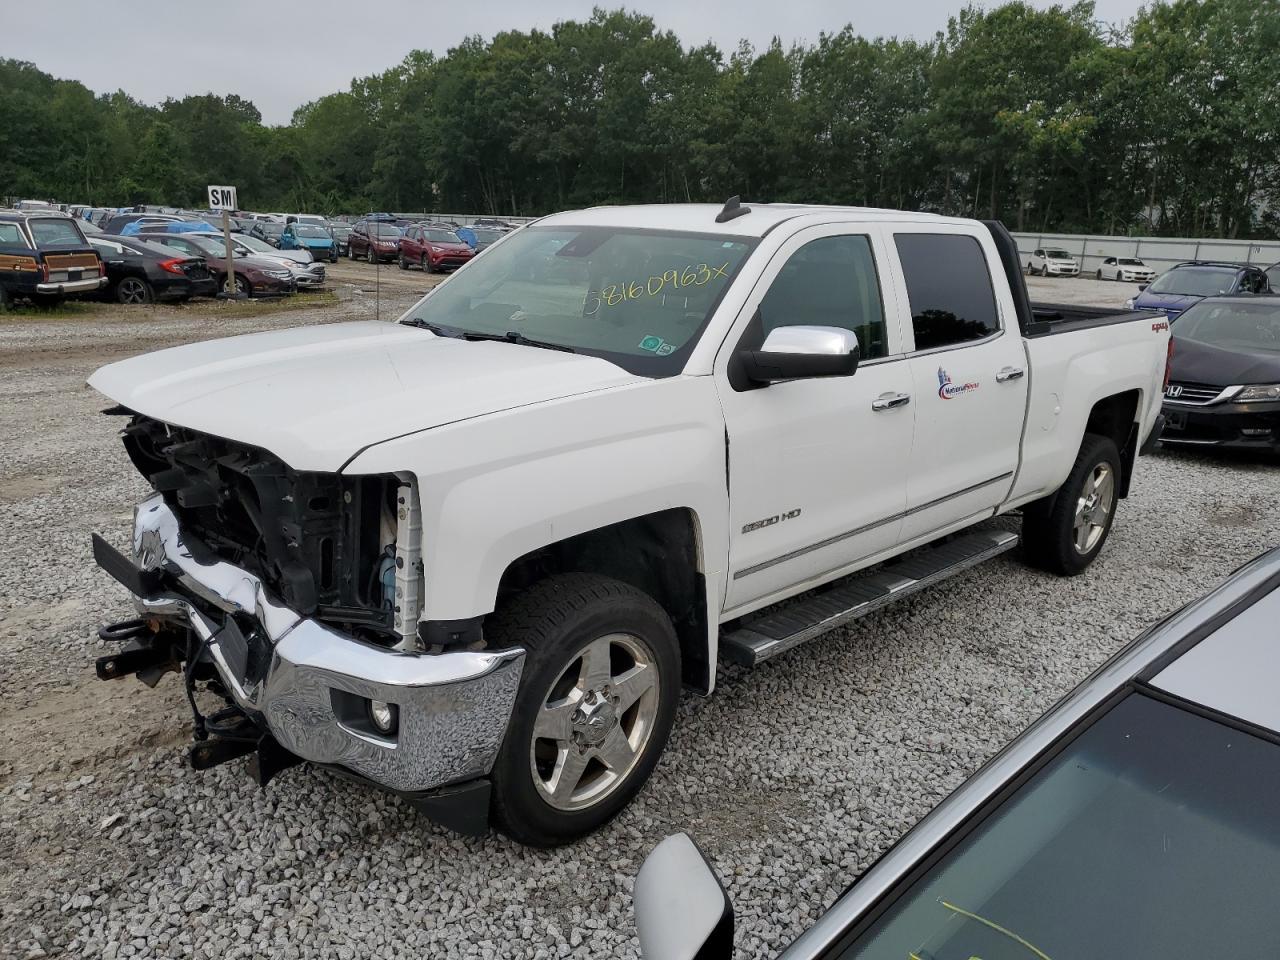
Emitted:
<point x="315" y="396"/>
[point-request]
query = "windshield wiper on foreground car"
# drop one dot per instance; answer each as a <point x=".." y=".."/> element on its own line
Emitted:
<point x="511" y="336"/>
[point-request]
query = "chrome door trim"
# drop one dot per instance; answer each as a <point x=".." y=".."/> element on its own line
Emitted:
<point x="865" y="528"/>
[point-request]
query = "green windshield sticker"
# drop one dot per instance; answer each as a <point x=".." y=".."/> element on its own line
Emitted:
<point x="651" y="343"/>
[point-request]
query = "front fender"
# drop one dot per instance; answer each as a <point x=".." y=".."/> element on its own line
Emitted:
<point x="498" y="487"/>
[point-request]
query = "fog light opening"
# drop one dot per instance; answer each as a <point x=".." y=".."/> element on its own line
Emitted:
<point x="383" y="716"/>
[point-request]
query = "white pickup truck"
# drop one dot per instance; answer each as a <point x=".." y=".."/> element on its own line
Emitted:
<point x="474" y="556"/>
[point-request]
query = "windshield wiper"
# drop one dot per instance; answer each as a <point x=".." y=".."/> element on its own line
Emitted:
<point x="439" y="329"/>
<point x="511" y="336"/>
<point x="514" y="336"/>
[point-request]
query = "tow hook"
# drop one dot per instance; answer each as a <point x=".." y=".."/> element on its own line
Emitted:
<point x="145" y="654"/>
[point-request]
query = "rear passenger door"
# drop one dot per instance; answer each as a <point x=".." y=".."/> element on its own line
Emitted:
<point x="969" y="378"/>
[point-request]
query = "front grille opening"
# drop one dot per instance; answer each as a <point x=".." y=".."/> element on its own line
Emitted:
<point x="326" y="563"/>
<point x="315" y="539"/>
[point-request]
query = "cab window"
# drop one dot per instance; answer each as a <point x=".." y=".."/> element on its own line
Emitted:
<point x="830" y="282"/>
<point x="949" y="288"/>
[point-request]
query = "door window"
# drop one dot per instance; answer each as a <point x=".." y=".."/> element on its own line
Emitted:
<point x="830" y="282"/>
<point x="949" y="288"/>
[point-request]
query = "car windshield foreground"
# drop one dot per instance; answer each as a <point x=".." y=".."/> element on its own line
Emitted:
<point x="1195" y="282"/>
<point x="1233" y="325"/>
<point x="637" y="298"/>
<point x="1153" y="835"/>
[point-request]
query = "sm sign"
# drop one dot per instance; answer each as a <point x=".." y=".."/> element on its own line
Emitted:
<point x="222" y="198"/>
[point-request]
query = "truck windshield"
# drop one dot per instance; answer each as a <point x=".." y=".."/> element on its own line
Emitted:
<point x="638" y="298"/>
<point x="1153" y="835"/>
<point x="1195" y="282"/>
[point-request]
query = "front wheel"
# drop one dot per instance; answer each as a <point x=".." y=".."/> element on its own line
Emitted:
<point x="1099" y="274"/>
<point x="370" y="255"/>
<point x="595" y="705"/>
<point x="243" y="287"/>
<point x="1065" y="531"/>
<point x="426" y="265"/>
<point x="404" y="264"/>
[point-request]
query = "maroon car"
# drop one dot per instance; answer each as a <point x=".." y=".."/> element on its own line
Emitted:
<point x="433" y="248"/>
<point x="373" y="240"/>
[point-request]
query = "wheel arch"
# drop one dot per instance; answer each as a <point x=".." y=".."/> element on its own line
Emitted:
<point x="1116" y="417"/>
<point x="659" y="553"/>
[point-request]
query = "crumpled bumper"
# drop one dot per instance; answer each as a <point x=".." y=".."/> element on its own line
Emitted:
<point x="309" y="683"/>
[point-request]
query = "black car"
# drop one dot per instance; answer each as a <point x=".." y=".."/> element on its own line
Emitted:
<point x="1224" y="379"/>
<point x="268" y="230"/>
<point x="341" y="233"/>
<point x="139" y="271"/>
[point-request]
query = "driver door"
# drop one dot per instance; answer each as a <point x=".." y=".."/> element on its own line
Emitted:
<point x="817" y="467"/>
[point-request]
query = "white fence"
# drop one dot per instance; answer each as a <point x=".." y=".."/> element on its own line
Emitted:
<point x="1159" y="253"/>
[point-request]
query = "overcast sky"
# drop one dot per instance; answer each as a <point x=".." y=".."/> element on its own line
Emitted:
<point x="282" y="55"/>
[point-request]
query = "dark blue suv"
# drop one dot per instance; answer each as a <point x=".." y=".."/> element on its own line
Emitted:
<point x="1188" y="283"/>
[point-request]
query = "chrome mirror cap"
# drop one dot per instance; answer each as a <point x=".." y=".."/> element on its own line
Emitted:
<point x="816" y="341"/>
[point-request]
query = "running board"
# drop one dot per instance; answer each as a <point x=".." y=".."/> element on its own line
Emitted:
<point x="794" y="621"/>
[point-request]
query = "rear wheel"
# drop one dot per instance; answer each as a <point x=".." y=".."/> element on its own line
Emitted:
<point x="1064" y="532"/>
<point x="595" y="705"/>
<point x="134" y="290"/>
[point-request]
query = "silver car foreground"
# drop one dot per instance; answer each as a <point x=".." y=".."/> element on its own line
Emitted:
<point x="1138" y="818"/>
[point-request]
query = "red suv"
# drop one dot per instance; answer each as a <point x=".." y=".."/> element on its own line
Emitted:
<point x="373" y="240"/>
<point x="432" y="248"/>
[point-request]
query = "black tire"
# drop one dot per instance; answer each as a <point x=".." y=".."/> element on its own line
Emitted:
<point x="1099" y="273"/>
<point x="404" y="264"/>
<point x="134" y="290"/>
<point x="426" y="264"/>
<point x="1050" y="532"/>
<point x="370" y="255"/>
<point x="243" y="285"/>
<point x="556" y="620"/>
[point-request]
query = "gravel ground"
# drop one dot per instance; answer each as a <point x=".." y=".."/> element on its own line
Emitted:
<point x="793" y="777"/>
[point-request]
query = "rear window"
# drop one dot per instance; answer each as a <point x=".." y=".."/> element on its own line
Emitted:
<point x="56" y="232"/>
<point x="949" y="288"/>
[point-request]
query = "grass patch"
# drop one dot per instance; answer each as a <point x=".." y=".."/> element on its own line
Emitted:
<point x="64" y="311"/>
<point x="311" y="300"/>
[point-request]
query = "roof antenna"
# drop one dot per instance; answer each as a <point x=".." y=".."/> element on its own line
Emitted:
<point x="733" y="209"/>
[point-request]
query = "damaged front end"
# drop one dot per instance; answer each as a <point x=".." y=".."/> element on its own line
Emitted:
<point x="294" y="597"/>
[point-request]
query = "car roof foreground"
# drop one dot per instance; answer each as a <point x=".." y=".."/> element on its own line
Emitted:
<point x="1218" y="652"/>
<point x="701" y="217"/>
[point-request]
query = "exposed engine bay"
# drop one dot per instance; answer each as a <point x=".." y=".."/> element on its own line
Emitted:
<point x="332" y="547"/>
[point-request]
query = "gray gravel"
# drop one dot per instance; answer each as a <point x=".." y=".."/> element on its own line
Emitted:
<point x="793" y="777"/>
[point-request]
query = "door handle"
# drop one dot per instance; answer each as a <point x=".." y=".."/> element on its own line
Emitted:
<point x="887" y="401"/>
<point x="1010" y="373"/>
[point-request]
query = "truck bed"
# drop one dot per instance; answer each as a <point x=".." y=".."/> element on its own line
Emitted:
<point x="1050" y="318"/>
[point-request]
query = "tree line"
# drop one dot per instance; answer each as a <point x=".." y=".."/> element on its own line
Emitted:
<point x="1047" y="119"/>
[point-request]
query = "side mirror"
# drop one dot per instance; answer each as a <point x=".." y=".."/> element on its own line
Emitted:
<point x="792" y="353"/>
<point x="1142" y="286"/>
<point x="682" y="911"/>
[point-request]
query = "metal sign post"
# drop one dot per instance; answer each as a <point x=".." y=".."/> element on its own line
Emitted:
<point x="224" y="199"/>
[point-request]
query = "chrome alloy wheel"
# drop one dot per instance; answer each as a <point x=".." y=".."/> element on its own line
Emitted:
<point x="594" y="722"/>
<point x="1093" y="509"/>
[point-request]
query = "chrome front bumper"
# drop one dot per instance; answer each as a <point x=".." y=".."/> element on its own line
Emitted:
<point x="453" y="707"/>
